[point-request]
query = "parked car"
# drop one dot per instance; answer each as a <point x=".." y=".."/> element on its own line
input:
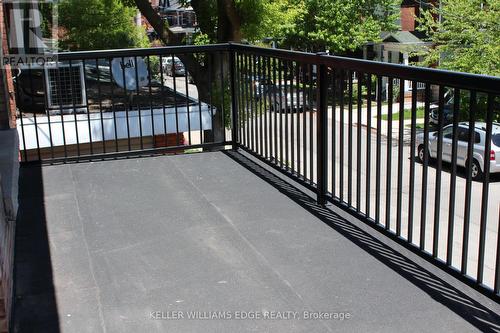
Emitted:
<point x="447" y="114"/>
<point x="263" y="87"/>
<point x="286" y="100"/>
<point x="463" y="139"/>
<point x="173" y="67"/>
<point x="449" y="105"/>
<point x="447" y="110"/>
<point x="260" y="84"/>
<point x="99" y="71"/>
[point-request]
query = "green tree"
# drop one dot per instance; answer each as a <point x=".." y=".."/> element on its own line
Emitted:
<point x="279" y="18"/>
<point x="337" y="25"/>
<point x="99" y="24"/>
<point x="340" y="26"/>
<point x="468" y="37"/>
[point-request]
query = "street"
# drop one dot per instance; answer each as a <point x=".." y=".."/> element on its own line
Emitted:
<point x="180" y="85"/>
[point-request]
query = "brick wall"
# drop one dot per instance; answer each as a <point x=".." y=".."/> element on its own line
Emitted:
<point x="6" y="266"/>
<point x="408" y="18"/>
<point x="7" y="211"/>
<point x="7" y="96"/>
<point x="9" y="175"/>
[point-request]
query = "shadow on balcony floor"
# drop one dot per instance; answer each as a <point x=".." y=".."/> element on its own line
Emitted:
<point x="142" y="244"/>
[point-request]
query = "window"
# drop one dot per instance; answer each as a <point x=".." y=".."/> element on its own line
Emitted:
<point x="448" y="133"/>
<point x="496" y="139"/>
<point x="463" y="135"/>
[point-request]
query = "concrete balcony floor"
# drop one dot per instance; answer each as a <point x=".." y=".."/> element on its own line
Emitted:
<point x="129" y="245"/>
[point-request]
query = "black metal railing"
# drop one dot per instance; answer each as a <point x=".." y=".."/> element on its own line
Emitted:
<point x="351" y="131"/>
<point x="408" y="150"/>
<point x="105" y="103"/>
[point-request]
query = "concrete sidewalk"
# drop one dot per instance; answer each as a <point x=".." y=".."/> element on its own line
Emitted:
<point x="384" y="123"/>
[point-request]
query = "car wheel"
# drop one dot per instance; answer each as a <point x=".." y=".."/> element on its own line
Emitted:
<point x="476" y="172"/>
<point x="422" y="153"/>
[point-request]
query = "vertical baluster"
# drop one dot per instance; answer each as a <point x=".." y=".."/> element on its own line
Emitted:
<point x="138" y="96"/>
<point x="379" y="149"/>
<point x="468" y="184"/>
<point x="112" y="99"/>
<point x="176" y="107"/>
<point x="486" y="184"/>
<point x="399" y="203"/>
<point x="368" y="143"/>
<point x="91" y="146"/>
<point x="439" y="166"/>
<point x="334" y="132"/>
<point x="388" y="175"/>
<point x="349" y="141"/>
<point x="33" y="93"/>
<point x="71" y="84"/>
<point x="423" y="207"/>
<point x="358" y="142"/>
<point x="453" y="180"/>
<point x="413" y="135"/>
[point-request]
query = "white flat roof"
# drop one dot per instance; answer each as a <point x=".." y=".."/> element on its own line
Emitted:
<point x="50" y="128"/>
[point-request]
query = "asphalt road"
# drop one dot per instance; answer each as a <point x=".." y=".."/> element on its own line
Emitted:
<point x="180" y="85"/>
<point x="389" y="180"/>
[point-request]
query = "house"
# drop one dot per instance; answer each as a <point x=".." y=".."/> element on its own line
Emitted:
<point x="397" y="47"/>
<point x="181" y="19"/>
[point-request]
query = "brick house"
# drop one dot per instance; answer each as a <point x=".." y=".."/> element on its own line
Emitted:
<point x="397" y="47"/>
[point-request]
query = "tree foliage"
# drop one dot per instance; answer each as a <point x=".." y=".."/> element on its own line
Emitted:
<point x="339" y="25"/>
<point x="279" y="18"/>
<point x="99" y="24"/>
<point x="249" y="14"/>
<point x="468" y="37"/>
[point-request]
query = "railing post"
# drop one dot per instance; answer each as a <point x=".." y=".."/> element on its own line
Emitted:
<point x="234" y="102"/>
<point x="322" y="132"/>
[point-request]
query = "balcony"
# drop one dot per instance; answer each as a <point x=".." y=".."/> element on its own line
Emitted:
<point x="283" y="193"/>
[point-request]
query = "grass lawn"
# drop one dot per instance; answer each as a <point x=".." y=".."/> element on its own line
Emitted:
<point x="418" y="126"/>
<point x="407" y="114"/>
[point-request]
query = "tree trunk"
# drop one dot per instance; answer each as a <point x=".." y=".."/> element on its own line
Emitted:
<point x="229" y="29"/>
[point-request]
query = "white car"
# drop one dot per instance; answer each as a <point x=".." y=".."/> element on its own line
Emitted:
<point x="463" y="139"/>
<point x="173" y="67"/>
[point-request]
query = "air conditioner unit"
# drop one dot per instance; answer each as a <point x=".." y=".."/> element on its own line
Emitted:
<point x="66" y="90"/>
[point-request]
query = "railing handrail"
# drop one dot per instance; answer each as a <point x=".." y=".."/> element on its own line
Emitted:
<point x="483" y="83"/>
<point x="137" y="52"/>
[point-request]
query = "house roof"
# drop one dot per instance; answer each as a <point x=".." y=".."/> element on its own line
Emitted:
<point x="183" y="30"/>
<point x="177" y="6"/>
<point x="403" y="37"/>
<point x="55" y="130"/>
